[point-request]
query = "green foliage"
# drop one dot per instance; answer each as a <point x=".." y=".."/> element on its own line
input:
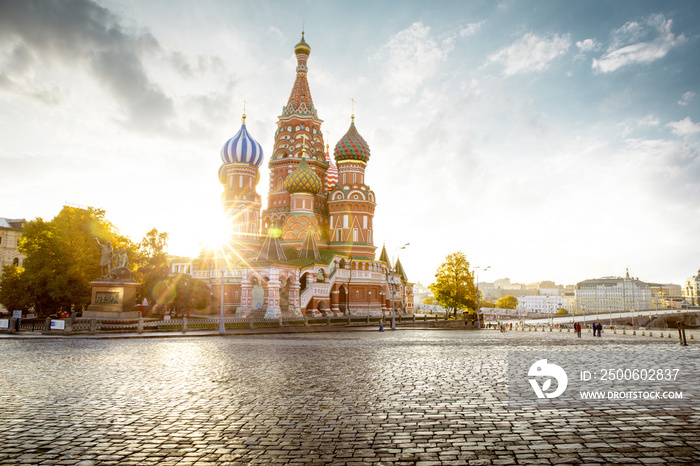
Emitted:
<point x="13" y="295"/>
<point x="429" y="301"/>
<point x="487" y="304"/>
<point x="182" y="292"/>
<point x="62" y="258"/>
<point x="151" y="263"/>
<point x="454" y="284"/>
<point x="507" y="302"/>
<point x="562" y="312"/>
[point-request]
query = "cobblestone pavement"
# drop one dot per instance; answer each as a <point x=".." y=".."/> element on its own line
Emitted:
<point x="405" y="397"/>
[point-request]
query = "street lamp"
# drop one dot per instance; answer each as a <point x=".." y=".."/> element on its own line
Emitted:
<point x="393" y="284"/>
<point x="222" y="328"/>
<point x="484" y="269"/>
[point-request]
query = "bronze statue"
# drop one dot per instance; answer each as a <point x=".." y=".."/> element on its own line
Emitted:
<point x="106" y="260"/>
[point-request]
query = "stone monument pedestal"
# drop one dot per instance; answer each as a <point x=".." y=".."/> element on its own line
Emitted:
<point x="113" y="299"/>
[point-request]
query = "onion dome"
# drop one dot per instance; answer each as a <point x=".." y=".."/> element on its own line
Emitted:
<point x="332" y="173"/>
<point x="302" y="47"/>
<point x="303" y="180"/>
<point x="352" y="146"/>
<point x="242" y="148"/>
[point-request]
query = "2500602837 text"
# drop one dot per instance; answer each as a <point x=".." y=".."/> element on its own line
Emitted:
<point x="651" y="375"/>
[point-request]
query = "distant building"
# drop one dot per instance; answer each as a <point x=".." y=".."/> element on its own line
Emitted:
<point x="179" y="264"/>
<point x="420" y="292"/>
<point x="613" y="294"/>
<point x="546" y="304"/>
<point x="666" y="295"/>
<point x="10" y="231"/>
<point x="503" y="287"/>
<point x="691" y="290"/>
<point x="501" y="283"/>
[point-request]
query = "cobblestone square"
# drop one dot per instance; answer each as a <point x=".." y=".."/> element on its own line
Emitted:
<point x="411" y="397"/>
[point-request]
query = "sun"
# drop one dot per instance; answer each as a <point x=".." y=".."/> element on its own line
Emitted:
<point x="214" y="234"/>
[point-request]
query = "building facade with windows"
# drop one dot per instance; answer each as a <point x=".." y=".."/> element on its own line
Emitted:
<point x="311" y="249"/>
<point x="613" y="294"/>
<point x="546" y="304"/>
<point x="10" y="231"/>
<point x="691" y="290"/>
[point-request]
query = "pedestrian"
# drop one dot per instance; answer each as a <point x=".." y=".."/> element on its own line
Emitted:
<point x="578" y="329"/>
<point x="600" y="329"/>
<point x="381" y="326"/>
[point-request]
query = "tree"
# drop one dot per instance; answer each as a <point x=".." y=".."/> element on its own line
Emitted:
<point x="62" y="258"/>
<point x="562" y="311"/>
<point x="454" y="284"/>
<point x="507" y="302"/>
<point x="182" y="292"/>
<point x="13" y="294"/>
<point x="151" y="263"/>
<point x="487" y="304"/>
<point x="429" y="301"/>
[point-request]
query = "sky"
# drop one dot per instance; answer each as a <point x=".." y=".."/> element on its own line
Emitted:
<point x="546" y="140"/>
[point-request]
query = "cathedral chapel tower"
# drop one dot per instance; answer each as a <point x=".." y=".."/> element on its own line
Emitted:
<point x="350" y="202"/>
<point x="298" y="132"/>
<point x="241" y="156"/>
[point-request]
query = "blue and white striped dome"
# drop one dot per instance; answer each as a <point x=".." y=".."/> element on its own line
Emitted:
<point x="242" y="149"/>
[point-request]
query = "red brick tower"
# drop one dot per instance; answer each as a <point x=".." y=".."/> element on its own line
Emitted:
<point x="298" y="131"/>
<point x="350" y="202"/>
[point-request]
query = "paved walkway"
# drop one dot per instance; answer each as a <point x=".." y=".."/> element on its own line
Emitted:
<point x="406" y="397"/>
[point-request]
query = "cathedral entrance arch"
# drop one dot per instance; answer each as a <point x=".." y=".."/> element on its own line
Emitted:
<point x="303" y="282"/>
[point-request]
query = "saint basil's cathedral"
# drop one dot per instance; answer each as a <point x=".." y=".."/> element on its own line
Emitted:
<point x="310" y="251"/>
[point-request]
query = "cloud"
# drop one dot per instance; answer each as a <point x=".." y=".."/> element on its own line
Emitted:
<point x="631" y="125"/>
<point x="18" y="77"/>
<point x="531" y="53"/>
<point x="686" y="98"/>
<point x="588" y="45"/>
<point x="638" y="42"/>
<point x="84" y="34"/>
<point x="685" y="127"/>
<point x="471" y="29"/>
<point x="409" y="59"/>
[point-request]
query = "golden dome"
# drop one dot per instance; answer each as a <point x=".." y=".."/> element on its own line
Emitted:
<point x="303" y="180"/>
<point x="302" y="47"/>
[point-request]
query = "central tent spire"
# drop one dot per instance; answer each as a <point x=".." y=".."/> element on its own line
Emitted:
<point x="300" y="100"/>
